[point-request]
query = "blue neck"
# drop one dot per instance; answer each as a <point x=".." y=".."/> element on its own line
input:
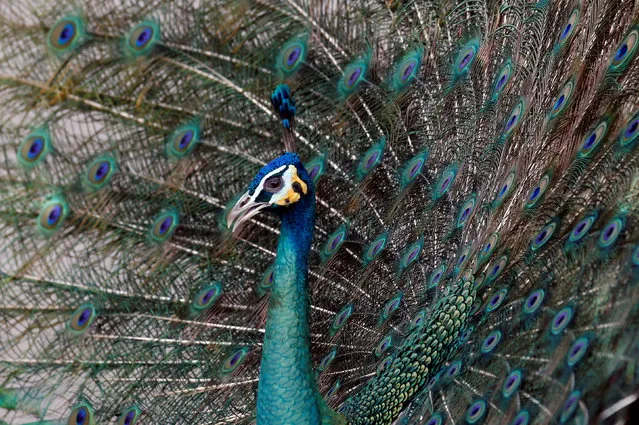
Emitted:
<point x="287" y="392"/>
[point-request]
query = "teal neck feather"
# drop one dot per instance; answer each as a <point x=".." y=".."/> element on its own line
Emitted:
<point x="287" y="393"/>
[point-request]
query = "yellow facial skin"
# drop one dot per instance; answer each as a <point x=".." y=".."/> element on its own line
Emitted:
<point x="290" y="196"/>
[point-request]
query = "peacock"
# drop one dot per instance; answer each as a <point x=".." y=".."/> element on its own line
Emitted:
<point x="319" y="212"/>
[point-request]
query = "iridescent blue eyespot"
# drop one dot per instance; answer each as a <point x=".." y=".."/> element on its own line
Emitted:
<point x="503" y="78"/>
<point x="454" y="369"/>
<point x="569" y="28"/>
<point x="81" y="319"/>
<point x="183" y="140"/>
<point x="81" y="415"/>
<point x="207" y="297"/>
<point x="476" y="412"/>
<point x="581" y="228"/>
<point x="52" y="215"/>
<point x="327" y="360"/>
<point x="66" y="34"/>
<point x="630" y="133"/>
<point x="411" y="254"/>
<point x="537" y="193"/>
<point x="316" y="168"/>
<point x="570" y="406"/>
<point x="591" y="140"/>
<point x="625" y="52"/>
<point x="445" y="181"/>
<point x="314" y="171"/>
<point x="129" y="416"/>
<point x="610" y="232"/>
<point x="413" y="168"/>
<point x="436" y="275"/>
<point x="621" y="52"/>
<point x="383" y="346"/>
<point x="466" y="211"/>
<point x="512" y="383"/>
<point x="577" y="351"/>
<point x="142" y="38"/>
<point x="534" y="301"/>
<point x="34" y="148"/>
<point x="384" y="364"/>
<point x="489" y="247"/>
<point x="561" y="320"/>
<point x="334" y="241"/>
<point x="291" y="56"/>
<point x="435" y="419"/>
<point x="371" y="159"/>
<point x="496" y="300"/>
<point x="491" y="341"/>
<point x="497" y="267"/>
<point x="534" y="193"/>
<point x="375" y="248"/>
<point x="163" y="226"/>
<point x="353" y="76"/>
<point x="462" y="259"/>
<point x="522" y="418"/>
<point x="100" y="172"/>
<point x="514" y="118"/>
<point x="466" y="57"/>
<point x="406" y="70"/>
<point x="233" y="361"/>
<point x="505" y="188"/>
<point x="341" y="318"/>
<point x="418" y="319"/>
<point x="390" y="307"/>
<point x="465" y="336"/>
<point x="563" y="99"/>
<point x="543" y="236"/>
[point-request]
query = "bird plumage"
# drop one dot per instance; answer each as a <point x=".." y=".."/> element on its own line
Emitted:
<point x="475" y="253"/>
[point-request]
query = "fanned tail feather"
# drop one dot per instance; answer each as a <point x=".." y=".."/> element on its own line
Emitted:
<point x="476" y="249"/>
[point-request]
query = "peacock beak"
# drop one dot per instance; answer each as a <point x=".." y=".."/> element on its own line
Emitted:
<point x="245" y="208"/>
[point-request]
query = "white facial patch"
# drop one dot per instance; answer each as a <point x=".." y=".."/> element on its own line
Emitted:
<point x="260" y="186"/>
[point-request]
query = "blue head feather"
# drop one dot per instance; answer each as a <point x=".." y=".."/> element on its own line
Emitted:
<point x="284" y="104"/>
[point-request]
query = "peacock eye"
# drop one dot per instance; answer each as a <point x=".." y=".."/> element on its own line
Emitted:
<point x="273" y="184"/>
<point x="81" y="415"/>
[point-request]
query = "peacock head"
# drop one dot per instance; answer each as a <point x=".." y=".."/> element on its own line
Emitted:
<point x="278" y="186"/>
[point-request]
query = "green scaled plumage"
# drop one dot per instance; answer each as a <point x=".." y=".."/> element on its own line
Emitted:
<point x="475" y="256"/>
